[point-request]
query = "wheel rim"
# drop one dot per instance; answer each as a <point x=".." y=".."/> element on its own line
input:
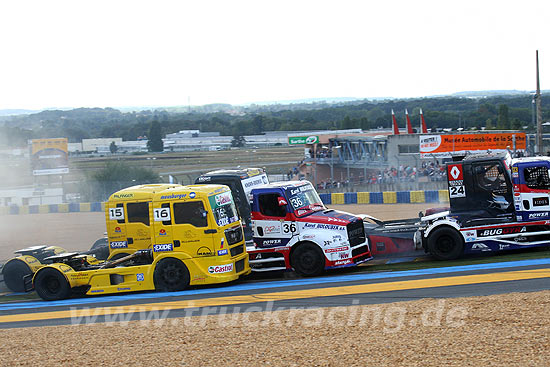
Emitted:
<point x="52" y="284"/>
<point x="445" y="244"/>
<point x="171" y="274"/>
<point x="308" y="261"/>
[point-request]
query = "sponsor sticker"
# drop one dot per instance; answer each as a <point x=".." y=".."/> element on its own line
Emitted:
<point x="542" y="201"/>
<point x="140" y="277"/>
<point x="162" y="232"/>
<point x="119" y="244"/>
<point x="222" y="252"/>
<point x="275" y="242"/>
<point x="117" y="229"/>
<point x="337" y="249"/>
<point x="481" y="247"/>
<point x="342" y="262"/>
<point x="220" y="269"/>
<point x="163" y="247"/>
<point x="500" y="231"/>
<point x="204" y="251"/>
<point x="538" y="215"/>
<point x="272" y="229"/>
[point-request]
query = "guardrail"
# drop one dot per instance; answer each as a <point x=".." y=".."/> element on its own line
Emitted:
<point x="53" y="208"/>
<point x="384" y="197"/>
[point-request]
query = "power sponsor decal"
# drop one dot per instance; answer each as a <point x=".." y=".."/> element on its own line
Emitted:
<point x="220" y="269"/>
<point x="272" y="243"/>
<point x="538" y="215"/>
<point x="119" y="244"/>
<point x="163" y="247"/>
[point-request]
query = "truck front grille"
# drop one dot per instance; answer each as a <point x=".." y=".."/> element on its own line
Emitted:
<point x="239" y="266"/>
<point x="234" y="235"/>
<point x="237" y="250"/>
<point x="356" y="232"/>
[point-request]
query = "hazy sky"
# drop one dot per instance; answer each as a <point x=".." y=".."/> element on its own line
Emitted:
<point x="159" y="53"/>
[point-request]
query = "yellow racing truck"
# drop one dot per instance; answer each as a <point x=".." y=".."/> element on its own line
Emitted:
<point x="196" y="238"/>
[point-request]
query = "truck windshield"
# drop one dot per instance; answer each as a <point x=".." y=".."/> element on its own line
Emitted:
<point x="223" y="208"/>
<point x="304" y="200"/>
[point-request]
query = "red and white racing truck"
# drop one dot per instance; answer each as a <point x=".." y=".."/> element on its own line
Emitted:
<point x="292" y="229"/>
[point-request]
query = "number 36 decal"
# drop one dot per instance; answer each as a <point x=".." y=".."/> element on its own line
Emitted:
<point x="288" y="228"/>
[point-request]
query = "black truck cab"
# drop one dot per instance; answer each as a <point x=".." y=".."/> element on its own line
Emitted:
<point x="241" y="182"/>
<point x="480" y="190"/>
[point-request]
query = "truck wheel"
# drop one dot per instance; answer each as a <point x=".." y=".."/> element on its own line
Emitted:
<point x="171" y="275"/>
<point x="51" y="285"/>
<point x="445" y="244"/>
<point x="13" y="272"/>
<point x="308" y="260"/>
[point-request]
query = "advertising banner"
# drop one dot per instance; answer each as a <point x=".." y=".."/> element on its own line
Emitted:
<point x="296" y="140"/>
<point x="444" y="146"/>
<point x="49" y="156"/>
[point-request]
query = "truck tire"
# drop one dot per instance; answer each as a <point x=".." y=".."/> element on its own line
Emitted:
<point x="13" y="272"/>
<point x="171" y="275"/>
<point x="445" y="243"/>
<point x="51" y="285"/>
<point x="308" y="260"/>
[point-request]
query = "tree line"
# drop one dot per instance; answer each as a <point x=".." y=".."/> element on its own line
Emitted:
<point x="502" y="112"/>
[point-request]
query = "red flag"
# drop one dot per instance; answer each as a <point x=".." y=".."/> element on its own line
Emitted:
<point x="395" y="127"/>
<point x="409" y="126"/>
<point x="423" y="123"/>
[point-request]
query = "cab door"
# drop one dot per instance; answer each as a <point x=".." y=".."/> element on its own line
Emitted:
<point x="138" y="231"/>
<point x="162" y="228"/>
<point x="273" y="224"/>
<point x="193" y="228"/>
<point x="535" y="190"/>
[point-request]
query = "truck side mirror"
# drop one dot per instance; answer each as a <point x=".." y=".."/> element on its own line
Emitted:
<point x="203" y="213"/>
<point x="281" y="201"/>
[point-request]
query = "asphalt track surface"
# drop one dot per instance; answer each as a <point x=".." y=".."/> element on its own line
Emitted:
<point x="340" y="288"/>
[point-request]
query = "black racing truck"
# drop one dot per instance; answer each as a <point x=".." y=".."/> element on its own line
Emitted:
<point x="496" y="203"/>
<point x="241" y="182"/>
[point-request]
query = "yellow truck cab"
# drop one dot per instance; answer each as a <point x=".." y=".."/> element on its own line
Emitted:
<point x="196" y="237"/>
<point x="127" y="218"/>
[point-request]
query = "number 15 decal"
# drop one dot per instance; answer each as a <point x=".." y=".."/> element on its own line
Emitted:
<point x="161" y="214"/>
<point x="116" y="213"/>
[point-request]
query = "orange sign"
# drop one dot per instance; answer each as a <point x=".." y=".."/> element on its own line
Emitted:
<point x="445" y="145"/>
